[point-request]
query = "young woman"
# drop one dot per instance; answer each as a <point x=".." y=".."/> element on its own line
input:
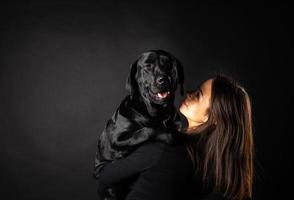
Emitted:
<point x="213" y="155"/>
<point x="219" y="113"/>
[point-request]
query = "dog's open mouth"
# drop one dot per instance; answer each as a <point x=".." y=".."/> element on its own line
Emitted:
<point x="160" y="95"/>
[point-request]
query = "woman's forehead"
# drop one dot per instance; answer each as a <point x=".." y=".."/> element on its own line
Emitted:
<point x="206" y="86"/>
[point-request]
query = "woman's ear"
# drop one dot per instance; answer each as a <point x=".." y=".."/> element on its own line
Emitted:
<point x="131" y="82"/>
<point x="205" y="119"/>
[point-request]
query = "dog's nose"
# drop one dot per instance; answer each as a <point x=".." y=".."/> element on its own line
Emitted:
<point x="162" y="79"/>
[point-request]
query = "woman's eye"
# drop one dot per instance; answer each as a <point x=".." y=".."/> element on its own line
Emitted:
<point x="197" y="94"/>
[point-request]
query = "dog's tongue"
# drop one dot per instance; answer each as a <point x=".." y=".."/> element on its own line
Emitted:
<point x="162" y="94"/>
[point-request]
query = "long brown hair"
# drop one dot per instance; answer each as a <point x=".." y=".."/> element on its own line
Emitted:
<point x="223" y="146"/>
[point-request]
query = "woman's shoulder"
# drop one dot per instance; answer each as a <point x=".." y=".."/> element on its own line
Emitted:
<point x="158" y="149"/>
<point x="162" y="147"/>
<point x="152" y="148"/>
<point x="209" y="196"/>
<point x="174" y="155"/>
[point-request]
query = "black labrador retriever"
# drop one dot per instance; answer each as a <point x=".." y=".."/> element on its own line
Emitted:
<point x="148" y="112"/>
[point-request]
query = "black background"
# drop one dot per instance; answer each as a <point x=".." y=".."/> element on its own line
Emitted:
<point x="63" y="71"/>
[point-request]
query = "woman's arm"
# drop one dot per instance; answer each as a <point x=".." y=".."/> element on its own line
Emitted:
<point x="138" y="161"/>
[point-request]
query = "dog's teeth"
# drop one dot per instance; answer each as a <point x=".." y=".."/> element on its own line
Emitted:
<point x="162" y="95"/>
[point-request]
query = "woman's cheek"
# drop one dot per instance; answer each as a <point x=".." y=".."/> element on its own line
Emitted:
<point x="192" y="112"/>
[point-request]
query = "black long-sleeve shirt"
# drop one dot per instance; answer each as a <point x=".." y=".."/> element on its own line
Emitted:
<point x="161" y="171"/>
<point x="165" y="172"/>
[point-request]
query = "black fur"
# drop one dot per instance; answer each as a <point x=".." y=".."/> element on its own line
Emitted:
<point x="142" y="115"/>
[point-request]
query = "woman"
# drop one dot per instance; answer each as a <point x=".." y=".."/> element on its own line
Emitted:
<point x="214" y="155"/>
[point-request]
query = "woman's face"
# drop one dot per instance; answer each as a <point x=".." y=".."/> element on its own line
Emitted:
<point x="196" y="104"/>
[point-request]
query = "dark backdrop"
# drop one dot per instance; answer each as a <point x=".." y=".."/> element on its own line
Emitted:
<point x="63" y="71"/>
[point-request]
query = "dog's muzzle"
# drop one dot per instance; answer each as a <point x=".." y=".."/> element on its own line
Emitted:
<point x="161" y="90"/>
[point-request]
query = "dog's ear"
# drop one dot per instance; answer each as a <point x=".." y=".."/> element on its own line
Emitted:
<point x="131" y="83"/>
<point x="180" y="75"/>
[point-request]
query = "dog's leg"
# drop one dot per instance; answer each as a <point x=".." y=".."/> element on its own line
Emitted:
<point x="137" y="137"/>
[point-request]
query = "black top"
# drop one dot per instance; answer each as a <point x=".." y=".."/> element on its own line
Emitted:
<point x="159" y="171"/>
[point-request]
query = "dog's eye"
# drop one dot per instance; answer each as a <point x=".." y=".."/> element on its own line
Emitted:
<point x="148" y="65"/>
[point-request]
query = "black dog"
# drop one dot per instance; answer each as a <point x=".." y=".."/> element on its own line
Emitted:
<point x="148" y="112"/>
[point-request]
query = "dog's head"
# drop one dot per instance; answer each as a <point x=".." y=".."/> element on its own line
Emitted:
<point x="154" y="76"/>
